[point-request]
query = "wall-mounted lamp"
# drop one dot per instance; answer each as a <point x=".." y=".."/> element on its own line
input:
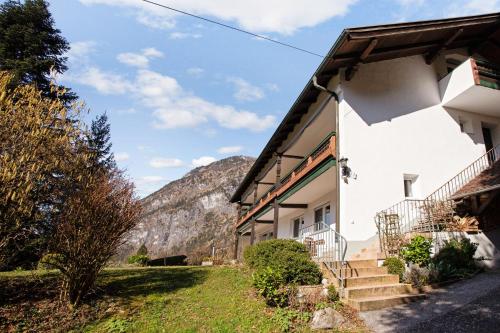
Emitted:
<point x="345" y="170"/>
<point x="343" y="167"/>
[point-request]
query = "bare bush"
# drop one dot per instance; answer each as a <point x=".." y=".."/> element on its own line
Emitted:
<point x="90" y="228"/>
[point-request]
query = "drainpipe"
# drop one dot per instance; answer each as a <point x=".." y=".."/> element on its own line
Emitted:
<point x="337" y="146"/>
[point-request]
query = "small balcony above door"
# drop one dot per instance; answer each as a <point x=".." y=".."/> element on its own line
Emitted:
<point x="473" y="86"/>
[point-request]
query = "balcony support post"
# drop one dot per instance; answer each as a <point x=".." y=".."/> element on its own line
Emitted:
<point x="252" y="232"/>
<point x="276" y="204"/>
<point x="255" y="192"/>
<point x="236" y="240"/>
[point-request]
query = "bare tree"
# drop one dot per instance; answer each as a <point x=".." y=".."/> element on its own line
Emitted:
<point x="90" y="228"/>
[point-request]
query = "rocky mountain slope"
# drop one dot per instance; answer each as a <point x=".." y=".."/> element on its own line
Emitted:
<point x="189" y="215"/>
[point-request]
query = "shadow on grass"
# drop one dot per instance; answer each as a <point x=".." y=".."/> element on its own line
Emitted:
<point x="28" y="288"/>
<point x="117" y="283"/>
<point x="128" y="283"/>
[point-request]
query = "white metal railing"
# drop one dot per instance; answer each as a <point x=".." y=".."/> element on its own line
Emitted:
<point x="323" y="242"/>
<point x="433" y="214"/>
<point x="327" y="246"/>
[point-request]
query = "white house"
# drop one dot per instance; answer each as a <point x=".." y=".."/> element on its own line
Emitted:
<point x="393" y="114"/>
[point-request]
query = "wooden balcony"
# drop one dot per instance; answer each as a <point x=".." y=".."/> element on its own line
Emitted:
<point x="322" y="152"/>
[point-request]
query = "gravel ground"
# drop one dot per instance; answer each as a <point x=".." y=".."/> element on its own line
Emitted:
<point x="470" y="306"/>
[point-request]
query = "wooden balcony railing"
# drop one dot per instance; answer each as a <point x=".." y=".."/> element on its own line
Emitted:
<point x="325" y="149"/>
<point x="486" y="74"/>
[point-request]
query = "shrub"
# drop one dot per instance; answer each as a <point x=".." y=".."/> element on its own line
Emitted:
<point x="50" y="261"/>
<point x="333" y="294"/>
<point x="271" y="285"/>
<point x="90" y="228"/>
<point x="454" y="260"/>
<point x="418" y="251"/>
<point x="417" y="276"/>
<point x="138" y="259"/>
<point x="289" y="257"/>
<point x="395" y="266"/>
<point x="286" y="319"/>
<point x="263" y="253"/>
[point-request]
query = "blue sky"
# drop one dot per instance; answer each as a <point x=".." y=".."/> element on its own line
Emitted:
<point x="182" y="93"/>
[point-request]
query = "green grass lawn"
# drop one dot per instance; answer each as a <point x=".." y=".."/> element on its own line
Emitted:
<point x="159" y="299"/>
<point x="154" y="299"/>
<point x="183" y="299"/>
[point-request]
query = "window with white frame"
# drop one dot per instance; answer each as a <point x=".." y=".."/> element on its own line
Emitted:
<point x="322" y="215"/>
<point x="297" y="224"/>
<point x="409" y="185"/>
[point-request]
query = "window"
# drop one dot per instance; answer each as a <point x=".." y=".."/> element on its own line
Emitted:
<point x="266" y="236"/>
<point x="322" y="215"/>
<point x="296" y="225"/>
<point x="409" y="186"/>
<point x="465" y="125"/>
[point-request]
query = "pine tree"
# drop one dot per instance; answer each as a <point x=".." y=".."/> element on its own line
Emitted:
<point x="30" y="45"/>
<point x="99" y="142"/>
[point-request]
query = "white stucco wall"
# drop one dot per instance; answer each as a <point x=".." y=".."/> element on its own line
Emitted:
<point x="392" y="123"/>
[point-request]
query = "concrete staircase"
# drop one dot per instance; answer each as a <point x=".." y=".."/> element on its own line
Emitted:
<point x="369" y="287"/>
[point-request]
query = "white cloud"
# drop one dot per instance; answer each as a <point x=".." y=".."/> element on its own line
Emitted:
<point x="121" y="157"/>
<point x="279" y="16"/>
<point x="202" y="161"/>
<point x="184" y="35"/>
<point x="158" y="20"/>
<point x="229" y="150"/>
<point x="472" y="7"/>
<point x="151" y="52"/>
<point x="79" y="51"/>
<point x="140" y="60"/>
<point x="147" y="184"/>
<point x="245" y="91"/>
<point x="133" y="59"/>
<point x="172" y="106"/>
<point x="104" y="82"/>
<point x="272" y="87"/>
<point x="195" y="71"/>
<point x="162" y="162"/>
<point x="407" y="10"/>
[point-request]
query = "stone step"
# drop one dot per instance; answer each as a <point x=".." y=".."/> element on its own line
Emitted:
<point x="355" y="264"/>
<point x="387" y="290"/>
<point x="368" y="254"/>
<point x="364" y="271"/>
<point x="372" y="281"/>
<point x="380" y="302"/>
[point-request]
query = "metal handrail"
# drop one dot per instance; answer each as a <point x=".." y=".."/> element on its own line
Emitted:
<point x="326" y="245"/>
<point x="433" y="213"/>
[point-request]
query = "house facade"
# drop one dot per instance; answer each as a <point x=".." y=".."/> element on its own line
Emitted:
<point x="396" y="119"/>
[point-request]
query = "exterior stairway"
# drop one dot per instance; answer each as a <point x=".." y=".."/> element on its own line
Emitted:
<point x="369" y="287"/>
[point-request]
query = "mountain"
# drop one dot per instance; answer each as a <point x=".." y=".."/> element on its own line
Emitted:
<point x="189" y="215"/>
